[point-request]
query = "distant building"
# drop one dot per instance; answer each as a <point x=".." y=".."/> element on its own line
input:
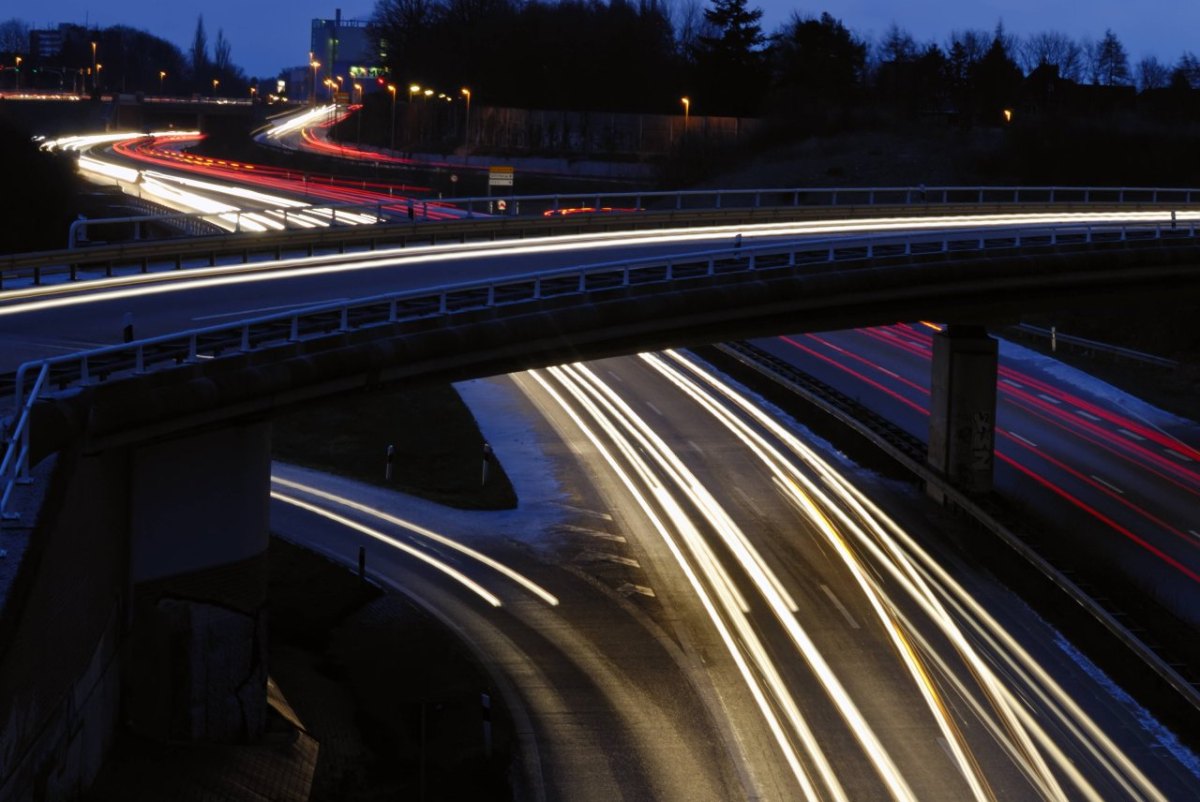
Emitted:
<point x="46" y="45"/>
<point x="345" y="49"/>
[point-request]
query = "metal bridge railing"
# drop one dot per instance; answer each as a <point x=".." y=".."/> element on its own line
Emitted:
<point x="33" y="379"/>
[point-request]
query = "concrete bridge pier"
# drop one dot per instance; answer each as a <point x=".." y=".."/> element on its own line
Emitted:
<point x="197" y="561"/>
<point x="962" y="408"/>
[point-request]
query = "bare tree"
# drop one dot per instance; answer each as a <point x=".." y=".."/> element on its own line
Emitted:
<point x="1187" y="71"/>
<point x="221" y="52"/>
<point x="687" y="20"/>
<point x="1055" y="49"/>
<point x="897" y="45"/>
<point x="14" y="36"/>
<point x="1151" y="74"/>
<point x="971" y="44"/>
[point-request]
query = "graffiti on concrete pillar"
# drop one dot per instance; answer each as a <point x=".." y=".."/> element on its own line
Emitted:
<point x="982" y="441"/>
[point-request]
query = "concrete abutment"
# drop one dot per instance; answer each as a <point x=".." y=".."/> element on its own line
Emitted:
<point x="962" y="408"/>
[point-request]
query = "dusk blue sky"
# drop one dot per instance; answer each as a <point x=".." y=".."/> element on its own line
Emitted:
<point x="267" y="36"/>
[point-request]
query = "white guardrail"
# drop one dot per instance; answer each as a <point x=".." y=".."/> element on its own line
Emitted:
<point x="419" y="209"/>
<point x="129" y="359"/>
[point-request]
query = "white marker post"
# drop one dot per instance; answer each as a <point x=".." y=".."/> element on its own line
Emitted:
<point x="387" y="469"/>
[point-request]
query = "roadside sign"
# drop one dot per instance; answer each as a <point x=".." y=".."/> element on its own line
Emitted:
<point x="500" y="176"/>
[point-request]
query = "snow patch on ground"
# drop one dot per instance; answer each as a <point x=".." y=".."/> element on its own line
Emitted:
<point x="1163" y="736"/>
<point x="1094" y="389"/>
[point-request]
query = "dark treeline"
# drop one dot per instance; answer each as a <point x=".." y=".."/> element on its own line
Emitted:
<point x="123" y="59"/>
<point x="644" y="56"/>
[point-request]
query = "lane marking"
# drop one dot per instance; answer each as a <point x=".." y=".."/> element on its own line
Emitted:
<point x="694" y="447"/>
<point x="1012" y="383"/>
<point x="615" y="376"/>
<point x="261" y="309"/>
<point x="1133" y="435"/>
<point x="655" y="410"/>
<point x="1088" y="415"/>
<point x="603" y="516"/>
<point x="1024" y="440"/>
<point x="1049" y="398"/>
<point x="583" y="530"/>
<point x="629" y="589"/>
<point x="1111" y="487"/>
<point x="604" y="556"/>
<point x="942" y="742"/>
<point x="841" y="608"/>
<point x="1177" y="455"/>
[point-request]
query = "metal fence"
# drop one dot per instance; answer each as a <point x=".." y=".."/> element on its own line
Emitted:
<point x="33" y="379"/>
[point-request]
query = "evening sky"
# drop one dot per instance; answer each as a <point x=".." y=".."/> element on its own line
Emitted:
<point x="266" y="37"/>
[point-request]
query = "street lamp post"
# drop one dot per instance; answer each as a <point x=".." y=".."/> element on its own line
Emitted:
<point x="411" y="89"/>
<point x="687" y="109"/>
<point x="18" y="69"/>
<point x="392" y="90"/>
<point x="96" y="77"/>
<point x="467" y="119"/>
<point x="162" y="75"/>
<point x="95" y="67"/>
<point x="315" y="65"/>
<point x="358" y="90"/>
<point x="216" y="82"/>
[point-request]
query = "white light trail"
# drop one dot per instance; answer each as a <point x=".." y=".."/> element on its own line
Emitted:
<point x="478" y="556"/>
<point x="927" y="585"/>
<point x="748" y="638"/>
<point x="450" y="571"/>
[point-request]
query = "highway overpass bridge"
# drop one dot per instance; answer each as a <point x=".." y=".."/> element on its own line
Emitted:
<point x="124" y="445"/>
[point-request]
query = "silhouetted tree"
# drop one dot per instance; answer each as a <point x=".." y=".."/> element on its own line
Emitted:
<point x="730" y="67"/>
<point x="1052" y="49"/>
<point x="1110" y="63"/>
<point x="1152" y="74"/>
<point x="995" y="81"/>
<point x="199" y="53"/>
<point x="14" y="37"/>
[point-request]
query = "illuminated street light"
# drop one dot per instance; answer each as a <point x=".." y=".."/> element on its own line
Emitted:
<point x="95" y="70"/>
<point x="411" y="89"/>
<point x="18" y="69"/>
<point x="392" y="89"/>
<point x="358" y="90"/>
<point x="687" y="110"/>
<point x="428" y="93"/>
<point x="96" y="77"/>
<point x="216" y="82"/>
<point x="315" y="65"/>
<point x="162" y="75"/>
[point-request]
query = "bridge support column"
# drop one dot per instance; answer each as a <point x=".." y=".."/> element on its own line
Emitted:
<point x="962" y="411"/>
<point x="198" y="541"/>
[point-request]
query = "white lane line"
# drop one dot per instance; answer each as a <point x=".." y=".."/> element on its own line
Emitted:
<point x="1024" y="440"/>
<point x="1088" y="415"/>
<point x="615" y="376"/>
<point x="1111" y="487"/>
<point x="942" y="742"/>
<point x="263" y="309"/>
<point x="694" y="447"/>
<point x="1131" y="435"/>
<point x="629" y="588"/>
<point x="1049" y="398"/>
<point x="583" y="530"/>
<point x="1183" y="457"/>
<point x="1193" y="533"/>
<point x="1012" y="383"/>
<point x="655" y="410"/>
<point x="604" y="556"/>
<point x="840" y="607"/>
<point x="603" y="516"/>
<point x="888" y="372"/>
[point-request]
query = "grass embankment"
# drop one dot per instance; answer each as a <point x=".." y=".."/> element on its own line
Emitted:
<point x="438" y="446"/>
